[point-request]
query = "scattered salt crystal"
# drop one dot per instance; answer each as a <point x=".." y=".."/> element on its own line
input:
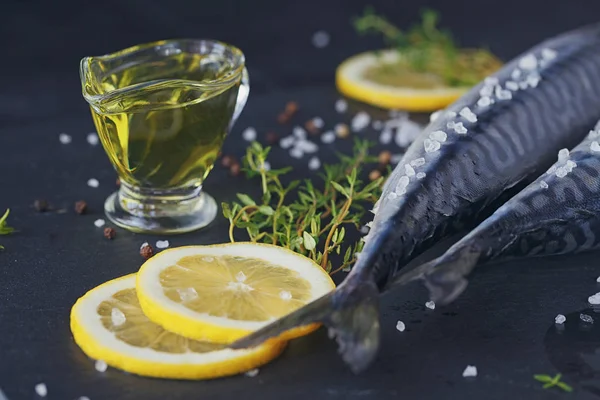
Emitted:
<point x="485" y="101"/>
<point x="586" y="318"/>
<point x="418" y="162"/>
<point x="402" y="184"/>
<point x="529" y="62"/>
<point x="435" y="115"/>
<point x="460" y="128"/>
<point x="240" y="276"/>
<point x="491" y="80"/>
<point x="561" y="172"/>
<point x="407" y="132"/>
<point x="99" y="223"/>
<point x="249" y="134"/>
<point x="595" y="146"/>
<point x="93" y="183"/>
<point x="187" y="294"/>
<point x="598" y="279"/>
<point x="385" y="137"/>
<point x="503" y="94"/>
<point x="145" y="244"/>
<point x="299" y="132"/>
<point x="100" y="366"/>
<point x="421" y="175"/>
<point x="563" y="155"/>
<point x="595" y="299"/>
<point x="450" y="114"/>
<point x="252" y="373"/>
<point x="514" y="86"/>
<point x="400" y="326"/>
<point x="360" y="121"/>
<point x="570" y="165"/>
<point x="328" y="137"/>
<point x="533" y="79"/>
<point x="430" y="305"/>
<point x="64" y="138"/>
<point x="81" y="398"/>
<point x="341" y="106"/>
<point x="377" y="124"/>
<point x="392" y="196"/>
<point x="306" y="146"/>
<point x="431" y="145"/>
<point x="41" y="389"/>
<point x="117" y="317"/>
<point x="364" y="229"/>
<point x="92" y="138"/>
<point x="266" y="166"/>
<point x="207" y="259"/>
<point x="318" y="122"/>
<point x="296" y="152"/>
<point x="486" y="91"/>
<point x="516" y="74"/>
<point x="470" y="371"/>
<point x="314" y="163"/>
<point x="549" y="54"/>
<point x="467" y="114"/>
<point x="560" y="319"/>
<point x="285" y="295"/>
<point x="439" y="136"/>
<point x="410" y="171"/>
<point x="287" y="142"/>
<point x="162" y="244"/>
<point x="320" y="39"/>
<point x="396" y="158"/>
<point x="543" y="185"/>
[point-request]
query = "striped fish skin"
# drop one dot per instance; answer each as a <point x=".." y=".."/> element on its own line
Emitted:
<point x="482" y="149"/>
<point x="559" y="213"/>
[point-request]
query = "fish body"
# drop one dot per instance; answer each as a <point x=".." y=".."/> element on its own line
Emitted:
<point x="483" y="148"/>
<point x="558" y="213"/>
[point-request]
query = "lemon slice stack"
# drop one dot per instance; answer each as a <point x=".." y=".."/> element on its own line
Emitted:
<point x="174" y="318"/>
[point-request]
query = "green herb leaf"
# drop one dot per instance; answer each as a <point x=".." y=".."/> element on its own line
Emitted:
<point x="4" y="228"/>
<point x="267" y="210"/>
<point x="226" y="210"/>
<point x="245" y="199"/>
<point x="309" y="241"/>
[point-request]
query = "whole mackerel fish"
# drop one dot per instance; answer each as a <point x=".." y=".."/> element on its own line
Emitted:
<point x="489" y="144"/>
<point x="558" y="213"/>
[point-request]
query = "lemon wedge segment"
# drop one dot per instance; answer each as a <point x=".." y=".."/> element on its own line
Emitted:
<point x="108" y="324"/>
<point x="221" y="293"/>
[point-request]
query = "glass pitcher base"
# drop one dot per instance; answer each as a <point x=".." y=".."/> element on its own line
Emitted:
<point x="167" y="217"/>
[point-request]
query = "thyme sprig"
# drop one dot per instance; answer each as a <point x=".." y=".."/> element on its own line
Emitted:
<point x="554" y="381"/>
<point x="4" y="228"/>
<point x="305" y="217"/>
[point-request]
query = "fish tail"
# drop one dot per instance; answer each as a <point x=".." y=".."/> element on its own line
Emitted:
<point x="351" y="312"/>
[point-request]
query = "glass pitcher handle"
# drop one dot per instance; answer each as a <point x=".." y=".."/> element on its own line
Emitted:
<point x="242" y="97"/>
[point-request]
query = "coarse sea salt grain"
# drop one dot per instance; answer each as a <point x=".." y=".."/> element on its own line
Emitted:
<point x="341" y="106"/>
<point x="549" y="54"/>
<point x="435" y="115"/>
<point x="187" y="294"/>
<point x="418" y="162"/>
<point x="407" y="132"/>
<point x="377" y="125"/>
<point x="595" y="147"/>
<point x="162" y="244"/>
<point x="594" y="299"/>
<point x="598" y="279"/>
<point x="528" y="62"/>
<point x="533" y="79"/>
<point x="328" y="137"/>
<point x="252" y="373"/>
<point x="386" y="136"/>
<point x="299" y="132"/>
<point x="92" y="138"/>
<point x="400" y="326"/>
<point x="41" y="389"/>
<point x="360" y="121"/>
<point x="99" y="223"/>
<point x="117" y="317"/>
<point x="491" y="80"/>
<point x="64" y="138"/>
<point x="439" y="136"/>
<point x="430" y="305"/>
<point x="516" y="74"/>
<point x="285" y="295"/>
<point x="314" y="163"/>
<point x="402" y="184"/>
<point x="470" y="371"/>
<point x="296" y="152"/>
<point x="93" y="183"/>
<point x="145" y="244"/>
<point x="320" y="39"/>
<point x="287" y="142"/>
<point x="249" y="134"/>
<point x="460" y="128"/>
<point x="485" y="101"/>
<point x="586" y="318"/>
<point x="364" y="229"/>
<point x="486" y="91"/>
<point x="266" y="166"/>
<point x="431" y="145"/>
<point x="307" y="146"/>
<point x="563" y="155"/>
<point x="409" y="170"/>
<point x="560" y="319"/>
<point x="100" y="365"/>
<point x="81" y="398"/>
<point x="421" y="175"/>
<point x="514" y="86"/>
<point x="543" y="185"/>
<point x="503" y="94"/>
<point x="240" y="276"/>
<point x="318" y="122"/>
<point x="467" y="114"/>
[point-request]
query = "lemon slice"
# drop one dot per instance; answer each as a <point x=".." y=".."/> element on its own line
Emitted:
<point x="108" y="324"/>
<point x="223" y="292"/>
<point x="418" y="92"/>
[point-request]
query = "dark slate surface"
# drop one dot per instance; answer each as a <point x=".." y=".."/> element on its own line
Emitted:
<point x="503" y="324"/>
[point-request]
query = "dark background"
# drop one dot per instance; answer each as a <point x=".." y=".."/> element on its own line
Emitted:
<point x="503" y="324"/>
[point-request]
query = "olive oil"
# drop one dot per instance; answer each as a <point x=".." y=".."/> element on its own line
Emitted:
<point x="165" y="120"/>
